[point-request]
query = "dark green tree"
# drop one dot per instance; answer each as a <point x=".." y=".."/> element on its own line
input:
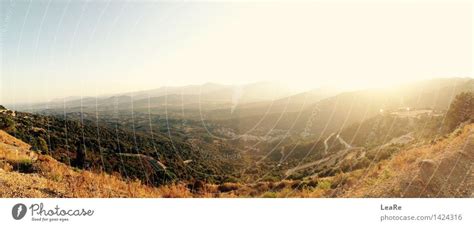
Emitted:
<point x="460" y="110"/>
<point x="7" y="124"/>
<point x="80" y="160"/>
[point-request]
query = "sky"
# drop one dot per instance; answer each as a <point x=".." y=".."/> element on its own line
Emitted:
<point x="60" y="48"/>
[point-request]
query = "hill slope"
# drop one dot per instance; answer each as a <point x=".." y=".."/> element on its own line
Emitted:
<point x="336" y="112"/>
<point x="24" y="173"/>
<point x="154" y="158"/>
<point x="443" y="169"/>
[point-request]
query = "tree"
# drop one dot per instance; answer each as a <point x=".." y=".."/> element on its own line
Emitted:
<point x="460" y="110"/>
<point x="80" y="155"/>
<point x="6" y="123"/>
<point x="42" y="145"/>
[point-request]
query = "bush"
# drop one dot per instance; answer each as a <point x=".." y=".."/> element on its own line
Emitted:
<point x="231" y="179"/>
<point x="313" y="183"/>
<point x="324" y="184"/>
<point x="41" y="145"/>
<point x="24" y="166"/>
<point x="297" y="185"/>
<point x="197" y="186"/>
<point x="339" y="180"/>
<point x="383" y="154"/>
<point x="279" y="186"/>
<point x="364" y="162"/>
<point x="296" y="176"/>
<point x="7" y="123"/>
<point x="270" y="178"/>
<point x="269" y="195"/>
<point x="227" y="187"/>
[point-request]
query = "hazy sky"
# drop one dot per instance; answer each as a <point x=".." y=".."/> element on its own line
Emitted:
<point x="61" y="48"/>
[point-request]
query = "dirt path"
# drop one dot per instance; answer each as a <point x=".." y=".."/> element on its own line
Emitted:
<point x="154" y="162"/>
<point x="326" y="147"/>
<point x="282" y="152"/>
<point x="343" y="142"/>
<point x="328" y="158"/>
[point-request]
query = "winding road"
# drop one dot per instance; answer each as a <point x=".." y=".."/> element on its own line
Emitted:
<point x="326" y="147"/>
<point x="343" y="142"/>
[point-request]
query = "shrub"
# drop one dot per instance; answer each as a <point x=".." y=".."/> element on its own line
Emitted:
<point x="271" y="178"/>
<point x="269" y="195"/>
<point x="231" y="179"/>
<point x="297" y="185"/>
<point x="280" y="186"/>
<point x="6" y="123"/>
<point x="227" y="187"/>
<point x="198" y="186"/>
<point x="42" y="145"/>
<point x="24" y="166"/>
<point x="364" y="162"/>
<point x="324" y="184"/>
<point x="296" y="176"/>
<point x="339" y="180"/>
<point x="313" y="183"/>
<point x="383" y="154"/>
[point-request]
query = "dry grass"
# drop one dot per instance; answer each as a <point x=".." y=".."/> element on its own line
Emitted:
<point x="54" y="179"/>
<point x="5" y="138"/>
<point x="401" y="175"/>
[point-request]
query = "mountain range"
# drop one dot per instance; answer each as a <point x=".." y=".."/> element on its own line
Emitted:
<point x="256" y="140"/>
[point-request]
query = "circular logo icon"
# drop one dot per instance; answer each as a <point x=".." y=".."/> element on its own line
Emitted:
<point x="19" y="211"/>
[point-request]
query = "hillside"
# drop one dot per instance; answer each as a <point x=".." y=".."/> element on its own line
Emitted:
<point x="441" y="169"/>
<point x="27" y="174"/>
<point x="401" y="160"/>
<point x="341" y="110"/>
<point x="154" y="158"/>
<point x="437" y="169"/>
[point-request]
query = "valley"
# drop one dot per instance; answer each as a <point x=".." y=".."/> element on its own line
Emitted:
<point x="218" y="141"/>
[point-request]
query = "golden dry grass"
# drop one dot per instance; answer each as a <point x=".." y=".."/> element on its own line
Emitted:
<point x="54" y="179"/>
<point x="401" y="176"/>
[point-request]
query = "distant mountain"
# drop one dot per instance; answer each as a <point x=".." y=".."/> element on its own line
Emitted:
<point x="209" y="95"/>
<point x="176" y="90"/>
<point x="292" y="103"/>
<point x="335" y="112"/>
<point x="262" y="107"/>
